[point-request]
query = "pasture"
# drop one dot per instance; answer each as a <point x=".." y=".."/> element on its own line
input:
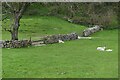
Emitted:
<point x="73" y="59"/>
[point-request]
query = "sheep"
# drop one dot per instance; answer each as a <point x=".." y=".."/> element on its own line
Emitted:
<point x="109" y="50"/>
<point x="60" y="41"/>
<point x="101" y="48"/>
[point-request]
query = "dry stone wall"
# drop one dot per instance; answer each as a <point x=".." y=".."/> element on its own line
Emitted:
<point x="89" y="31"/>
<point x="72" y="36"/>
<point x="49" y="39"/>
<point x="55" y="38"/>
<point x="16" y="43"/>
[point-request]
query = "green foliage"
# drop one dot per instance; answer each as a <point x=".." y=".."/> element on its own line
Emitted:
<point x="37" y="9"/>
<point x="113" y="25"/>
<point x="85" y="13"/>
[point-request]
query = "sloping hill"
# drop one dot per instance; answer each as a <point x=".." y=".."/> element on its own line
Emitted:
<point x="45" y="25"/>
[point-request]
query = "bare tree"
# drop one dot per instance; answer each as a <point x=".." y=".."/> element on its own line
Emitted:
<point x="16" y="9"/>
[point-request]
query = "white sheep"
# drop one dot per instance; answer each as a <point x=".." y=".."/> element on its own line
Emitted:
<point x="101" y="48"/>
<point x="60" y="41"/>
<point x="79" y="37"/>
<point x="109" y="50"/>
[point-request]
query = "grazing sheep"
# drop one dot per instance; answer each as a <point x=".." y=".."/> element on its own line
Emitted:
<point x="101" y="48"/>
<point x="109" y="50"/>
<point x="60" y="41"/>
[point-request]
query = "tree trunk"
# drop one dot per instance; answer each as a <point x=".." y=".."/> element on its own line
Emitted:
<point x="14" y="33"/>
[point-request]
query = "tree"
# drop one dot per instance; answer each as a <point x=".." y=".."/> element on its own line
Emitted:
<point x="16" y="10"/>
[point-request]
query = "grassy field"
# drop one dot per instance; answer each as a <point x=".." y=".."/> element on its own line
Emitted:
<point x="36" y="27"/>
<point x="73" y="59"/>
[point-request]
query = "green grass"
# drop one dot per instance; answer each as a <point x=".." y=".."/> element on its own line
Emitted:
<point x="73" y="59"/>
<point x="36" y="27"/>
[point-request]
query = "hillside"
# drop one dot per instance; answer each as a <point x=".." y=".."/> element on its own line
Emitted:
<point x="38" y="26"/>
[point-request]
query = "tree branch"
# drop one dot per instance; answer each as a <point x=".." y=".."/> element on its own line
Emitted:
<point x="11" y="8"/>
<point x="24" y="6"/>
<point x="8" y="30"/>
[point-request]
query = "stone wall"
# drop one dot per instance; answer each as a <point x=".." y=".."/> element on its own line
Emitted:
<point x="91" y="30"/>
<point x="72" y="36"/>
<point x="50" y="39"/>
<point x="64" y="37"/>
<point x="16" y="44"/>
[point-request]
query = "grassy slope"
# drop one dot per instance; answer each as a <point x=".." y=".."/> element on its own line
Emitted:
<point x="36" y="27"/>
<point x="77" y="58"/>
